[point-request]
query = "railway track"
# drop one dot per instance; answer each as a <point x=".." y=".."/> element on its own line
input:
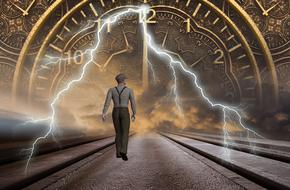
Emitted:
<point x="11" y="152"/>
<point x="280" y="152"/>
<point x="50" y="160"/>
<point x="266" y="167"/>
<point x="249" y="169"/>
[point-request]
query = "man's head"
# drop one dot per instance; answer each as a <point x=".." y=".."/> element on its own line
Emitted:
<point x="120" y="78"/>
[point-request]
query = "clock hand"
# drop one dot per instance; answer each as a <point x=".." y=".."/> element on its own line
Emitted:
<point x="97" y="64"/>
<point x="261" y="7"/>
<point x="126" y="41"/>
<point x="127" y="49"/>
<point x="145" y="76"/>
<point x="267" y="11"/>
<point x="22" y="10"/>
<point x="30" y="5"/>
<point x="165" y="38"/>
<point x="114" y="54"/>
<point x="196" y="62"/>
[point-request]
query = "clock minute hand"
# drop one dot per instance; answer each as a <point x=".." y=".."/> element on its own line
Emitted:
<point x="22" y="10"/>
<point x="261" y="7"/>
<point x="145" y="76"/>
<point x="165" y="38"/>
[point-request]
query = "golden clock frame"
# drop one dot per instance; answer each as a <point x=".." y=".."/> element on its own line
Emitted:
<point x="265" y="49"/>
<point x="45" y="43"/>
<point x="25" y="49"/>
<point x="237" y="7"/>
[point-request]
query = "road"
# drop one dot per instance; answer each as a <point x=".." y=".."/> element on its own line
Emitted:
<point x="154" y="163"/>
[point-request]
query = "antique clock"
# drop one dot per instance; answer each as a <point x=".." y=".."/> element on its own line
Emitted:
<point x="17" y="18"/>
<point x="237" y="48"/>
<point x="272" y="21"/>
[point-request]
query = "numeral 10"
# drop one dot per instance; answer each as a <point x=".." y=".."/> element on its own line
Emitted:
<point x="76" y="57"/>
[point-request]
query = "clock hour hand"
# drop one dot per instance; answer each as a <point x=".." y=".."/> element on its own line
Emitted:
<point x="126" y="41"/>
<point x="114" y="54"/>
<point x="197" y="61"/>
<point x="267" y="11"/>
<point x="22" y="10"/>
<point x="30" y="5"/>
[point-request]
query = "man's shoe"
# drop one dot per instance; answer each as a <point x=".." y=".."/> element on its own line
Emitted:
<point x="124" y="156"/>
<point x="119" y="156"/>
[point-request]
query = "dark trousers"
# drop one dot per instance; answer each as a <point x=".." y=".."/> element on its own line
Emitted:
<point x="121" y="120"/>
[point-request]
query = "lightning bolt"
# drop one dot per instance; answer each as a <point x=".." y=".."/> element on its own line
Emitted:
<point x="152" y="70"/>
<point x="111" y="20"/>
<point x="179" y="64"/>
<point x="173" y="63"/>
<point x="175" y="89"/>
<point x="32" y="120"/>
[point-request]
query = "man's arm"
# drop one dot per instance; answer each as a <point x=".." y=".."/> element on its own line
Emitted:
<point x="133" y="102"/>
<point x="107" y="102"/>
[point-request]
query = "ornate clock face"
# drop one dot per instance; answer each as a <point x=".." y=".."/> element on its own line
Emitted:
<point x="283" y="70"/>
<point x="17" y="19"/>
<point x="272" y="18"/>
<point x="207" y="38"/>
<point x="7" y="68"/>
<point x="283" y="73"/>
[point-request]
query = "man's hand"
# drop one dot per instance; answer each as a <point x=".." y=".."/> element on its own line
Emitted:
<point x="133" y="117"/>
<point x="104" y="116"/>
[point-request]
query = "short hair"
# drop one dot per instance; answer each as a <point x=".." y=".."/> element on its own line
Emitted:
<point x="120" y="78"/>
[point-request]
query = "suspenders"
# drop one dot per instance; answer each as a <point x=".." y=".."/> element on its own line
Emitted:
<point x="119" y="93"/>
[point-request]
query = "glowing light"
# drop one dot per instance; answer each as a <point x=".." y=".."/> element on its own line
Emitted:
<point x="173" y="63"/>
<point x="91" y="52"/>
<point x="153" y="71"/>
<point x="180" y="66"/>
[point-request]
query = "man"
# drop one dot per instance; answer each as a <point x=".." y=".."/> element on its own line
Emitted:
<point x="121" y="95"/>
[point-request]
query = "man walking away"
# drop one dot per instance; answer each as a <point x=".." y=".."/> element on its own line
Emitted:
<point x="121" y="95"/>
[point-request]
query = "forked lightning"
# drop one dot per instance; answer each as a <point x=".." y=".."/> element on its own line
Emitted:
<point x="173" y="63"/>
